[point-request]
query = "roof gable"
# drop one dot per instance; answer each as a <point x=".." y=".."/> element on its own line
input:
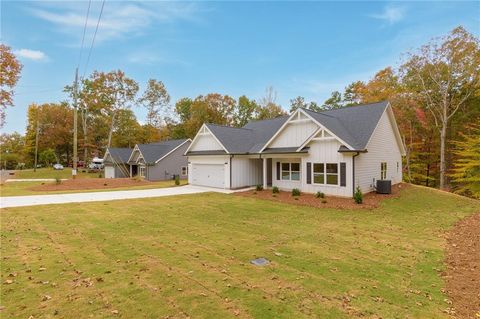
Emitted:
<point x="118" y="155"/>
<point x="153" y="152"/>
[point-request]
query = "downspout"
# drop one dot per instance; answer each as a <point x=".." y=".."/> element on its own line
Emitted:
<point x="230" y="171"/>
<point x="353" y="172"/>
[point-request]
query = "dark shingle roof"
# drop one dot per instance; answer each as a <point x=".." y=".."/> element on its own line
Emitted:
<point x="120" y="155"/>
<point x="354" y="125"/>
<point x="154" y="151"/>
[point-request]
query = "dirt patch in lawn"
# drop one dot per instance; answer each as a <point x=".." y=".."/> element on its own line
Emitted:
<point x="90" y="183"/>
<point x="370" y="200"/>
<point x="463" y="268"/>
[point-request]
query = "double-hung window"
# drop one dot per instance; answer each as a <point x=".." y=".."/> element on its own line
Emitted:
<point x="142" y="171"/>
<point x="184" y="170"/>
<point x="290" y="171"/>
<point x="325" y="173"/>
<point x="383" y="170"/>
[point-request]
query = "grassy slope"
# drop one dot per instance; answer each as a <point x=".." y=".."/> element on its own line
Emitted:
<point x="189" y="255"/>
<point x="23" y="188"/>
<point x="51" y="173"/>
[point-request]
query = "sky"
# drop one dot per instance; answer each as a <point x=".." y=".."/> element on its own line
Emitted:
<point x="299" y="48"/>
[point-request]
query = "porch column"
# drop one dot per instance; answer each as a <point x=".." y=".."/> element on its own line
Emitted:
<point x="265" y="173"/>
<point x="130" y="171"/>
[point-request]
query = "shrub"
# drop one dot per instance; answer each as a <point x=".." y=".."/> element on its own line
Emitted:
<point x="324" y="201"/>
<point x="100" y="175"/>
<point x="275" y="190"/>
<point x="296" y="192"/>
<point x="259" y="188"/>
<point x="177" y="180"/>
<point x="320" y="195"/>
<point x="58" y="180"/>
<point x="358" y="196"/>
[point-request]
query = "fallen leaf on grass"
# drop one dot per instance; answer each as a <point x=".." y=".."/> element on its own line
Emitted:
<point x="8" y="282"/>
<point x="46" y="297"/>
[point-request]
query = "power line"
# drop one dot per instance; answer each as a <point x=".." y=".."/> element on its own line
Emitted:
<point x="84" y="31"/>
<point x="93" y="40"/>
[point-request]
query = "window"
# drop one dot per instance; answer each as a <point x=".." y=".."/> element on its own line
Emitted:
<point x="318" y="173"/>
<point x="383" y="170"/>
<point x="142" y="171"/>
<point x="325" y="173"/>
<point x="184" y="170"/>
<point x="332" y="173"/>
<point x="290" y="171"/>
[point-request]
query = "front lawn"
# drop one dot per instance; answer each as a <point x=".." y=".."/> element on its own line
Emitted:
<point x="189" y="256"/>
<point x="49" y="172"/>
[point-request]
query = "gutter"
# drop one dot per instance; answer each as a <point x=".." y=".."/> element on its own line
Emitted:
<point x="231" y="156"/>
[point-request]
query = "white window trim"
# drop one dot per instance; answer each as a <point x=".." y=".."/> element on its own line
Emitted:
<point x="325" y="174"/>
<point x="383" y="174"/>
<point x="290" y="171"/>
<point x="182" y="170"/>
<point x="140" y="169"/>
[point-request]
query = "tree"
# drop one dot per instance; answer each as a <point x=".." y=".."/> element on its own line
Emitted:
<point x="245" y="111"/>
<point x="333" y="102"/>
<point x="10" y="69"/>
<point x="466" y="172"/>
<point x="11" y="150"/>
<point x="47" y="157"/>
<point x="268" y="108"/>
<point x="113" y="92"/>
<point x="299" y="102"/>
<point x="155" y="99"/>
<point x="127" y="131"/>
<point x="443" y="75"/>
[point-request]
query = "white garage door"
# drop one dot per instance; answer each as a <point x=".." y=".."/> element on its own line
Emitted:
<point x="109" y="172"/>
<point x="212" y="175"/>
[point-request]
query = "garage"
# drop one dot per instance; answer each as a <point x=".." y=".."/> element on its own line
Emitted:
<point x="109" y="172"/>
<point x="211" y="175"/>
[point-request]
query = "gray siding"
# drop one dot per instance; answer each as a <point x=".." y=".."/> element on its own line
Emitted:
<point x="169" y="166"/>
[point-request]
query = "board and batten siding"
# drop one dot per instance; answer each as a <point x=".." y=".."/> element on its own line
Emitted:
<point x="206" y="143"/>
<point x="294" y="134"/>
<point x="246" y="171"/>
<point x="169" y="166"/>
<point x="213" y="160"/>
<point x="320" y="152"/>
<point x="327" y="152"/>
<point x="382" y="147"/>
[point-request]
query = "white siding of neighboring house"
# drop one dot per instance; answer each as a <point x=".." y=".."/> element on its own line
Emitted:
<point x="294" y="134"/>
<point x="211" y="159"/>
<point x="246" y="171"/>
<point x="206" y="143"/>
<point x="382" y="147"/>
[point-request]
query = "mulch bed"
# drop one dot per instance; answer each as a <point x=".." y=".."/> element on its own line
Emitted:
<point x="370" y="200"/>
<point x="463" y="268"/>
<point x="89" y="183"/>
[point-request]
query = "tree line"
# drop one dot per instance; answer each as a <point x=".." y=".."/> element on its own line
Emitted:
<point x="434" y="92"/>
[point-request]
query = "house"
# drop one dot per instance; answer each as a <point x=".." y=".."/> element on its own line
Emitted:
<point x="332" y="151"/>
<point x="159" y="161"/>
<point x="115" y="162"/>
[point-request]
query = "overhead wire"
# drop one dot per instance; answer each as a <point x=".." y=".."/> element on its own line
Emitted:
<point x="93" y="39"/>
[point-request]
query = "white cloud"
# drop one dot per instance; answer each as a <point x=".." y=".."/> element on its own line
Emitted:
<point x="118" y="18"/>
<point x="390" y="14"/>
<point x="31" y="54"/>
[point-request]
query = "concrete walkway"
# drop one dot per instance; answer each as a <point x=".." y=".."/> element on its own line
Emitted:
<point x="12" y="180"/>
<point x="18" y="201"/>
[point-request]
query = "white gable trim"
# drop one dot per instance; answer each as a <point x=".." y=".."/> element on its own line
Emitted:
<point x="161" y="158"/>
<point x="393" y="123"/>
<point x="105" y="155"/>
<point x="133" y="151"/>
<point x="203" y="131"/>
<point x="290" y="119"/>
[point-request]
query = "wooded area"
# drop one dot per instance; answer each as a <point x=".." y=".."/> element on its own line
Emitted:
<point x="435" y="94"/>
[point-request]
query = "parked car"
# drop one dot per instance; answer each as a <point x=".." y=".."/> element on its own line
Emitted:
<point x="58" y="167"/>
<point x="96" y="164"/>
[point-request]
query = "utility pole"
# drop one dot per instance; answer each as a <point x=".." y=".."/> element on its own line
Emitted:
<point x="75" y="107"/>
<point x="36" y="143"/>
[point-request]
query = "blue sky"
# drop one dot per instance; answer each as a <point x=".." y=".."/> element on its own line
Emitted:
<point x="234" y="48"/>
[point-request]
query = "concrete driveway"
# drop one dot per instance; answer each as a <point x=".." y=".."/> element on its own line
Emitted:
<point x="18" y="201"/>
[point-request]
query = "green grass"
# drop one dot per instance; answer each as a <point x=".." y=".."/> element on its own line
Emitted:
<point x="189" y="256"/>
<point x="51" y="173"/>
<point x="23" y="188"/>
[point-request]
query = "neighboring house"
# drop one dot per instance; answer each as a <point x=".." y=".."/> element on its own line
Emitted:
<point x="115" y="162"/>
<point x="159" y="161"/>
<point x="332" y="151"/>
